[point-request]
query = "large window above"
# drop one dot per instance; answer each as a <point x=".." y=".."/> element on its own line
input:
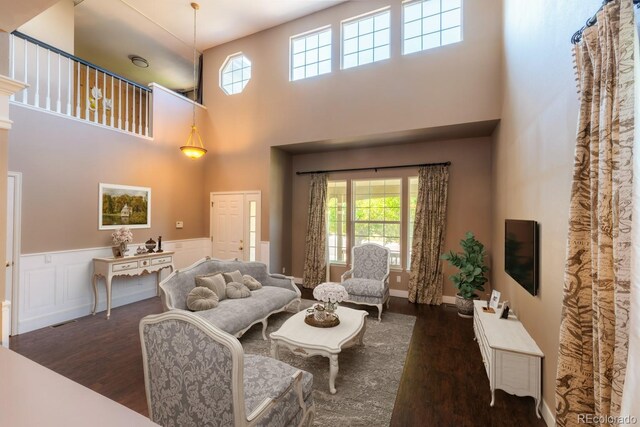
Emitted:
<point x="235" y="74"/>
<point x="377" y="214"/>
<point x="311" y="54"/>
<point x="365" y="39"/>
<point x="431" y="23"/>
<point x="337" y="221"/>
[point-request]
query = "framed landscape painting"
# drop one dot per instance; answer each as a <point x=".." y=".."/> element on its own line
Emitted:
<point x="124" y="206"/>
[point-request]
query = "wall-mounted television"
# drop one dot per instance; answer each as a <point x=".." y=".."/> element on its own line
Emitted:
<point x="521" y="252"/>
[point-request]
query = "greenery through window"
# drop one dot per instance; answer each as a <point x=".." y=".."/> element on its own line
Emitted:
<point x="337" y="221"/>
<point x="377" y="214"/>
<point x="413" y="202"/>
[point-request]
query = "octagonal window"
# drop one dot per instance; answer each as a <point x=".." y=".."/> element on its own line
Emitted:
<point x="235" y="73"/>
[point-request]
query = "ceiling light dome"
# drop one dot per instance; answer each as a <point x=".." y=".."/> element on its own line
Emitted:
<point x="139" y="61"/>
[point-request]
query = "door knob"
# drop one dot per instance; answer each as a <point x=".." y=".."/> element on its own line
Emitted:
<point x="8" y="264"/>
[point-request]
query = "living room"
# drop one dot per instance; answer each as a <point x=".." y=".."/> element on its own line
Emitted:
<point x="500" y="105"/>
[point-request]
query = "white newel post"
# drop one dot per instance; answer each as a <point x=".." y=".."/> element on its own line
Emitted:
<point x="7" y="88"/>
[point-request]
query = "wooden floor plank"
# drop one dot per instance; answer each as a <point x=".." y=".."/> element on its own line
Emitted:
<point x="443" y="383"/>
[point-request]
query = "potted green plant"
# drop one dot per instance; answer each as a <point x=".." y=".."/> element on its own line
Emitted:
<point x="471" y="275"/>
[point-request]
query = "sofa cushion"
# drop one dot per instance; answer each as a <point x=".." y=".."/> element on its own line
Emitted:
<point x="237" y="290"/>
<point x="201" y="298"/>
<point x="233" y="276"/>
<point x="214" y="282"/>
<point x="265" y="377"/>
<point x="234" y="315"/>
<point x="251" y="283"/>
<point x="364" y="287"/>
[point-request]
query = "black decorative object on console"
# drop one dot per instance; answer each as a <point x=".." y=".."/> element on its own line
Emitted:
<point x="159" y="245"/>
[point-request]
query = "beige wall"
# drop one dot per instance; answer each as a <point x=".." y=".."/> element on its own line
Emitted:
<point x="21" y="12"/>
<point x="54" y="26"/>
<point x="280" y="211"/>
<point x="533" y="157"/>
<point x="455" y="84"/>
<point x="63" y="161"/>
<point x="469" y="204"/>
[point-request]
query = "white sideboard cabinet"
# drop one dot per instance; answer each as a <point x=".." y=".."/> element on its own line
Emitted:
<point x="512" y="359"/>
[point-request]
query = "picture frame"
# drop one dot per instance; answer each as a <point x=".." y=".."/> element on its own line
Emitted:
<point x="494" y="300"/>
<point x="504" y="310"/>
<point x="123" y="206"/>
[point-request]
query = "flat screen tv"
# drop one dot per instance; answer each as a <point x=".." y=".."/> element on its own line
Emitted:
<point x="521" y="252"/>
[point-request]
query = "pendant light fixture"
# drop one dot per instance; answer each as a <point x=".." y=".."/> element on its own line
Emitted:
<point x="194" y="148"/>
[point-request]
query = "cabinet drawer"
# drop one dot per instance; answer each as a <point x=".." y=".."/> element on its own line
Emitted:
<point x="163" y="260"/>
<point x="125" y="266"/>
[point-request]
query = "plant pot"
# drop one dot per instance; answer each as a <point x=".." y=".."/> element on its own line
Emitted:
<point x="465" y="306"/>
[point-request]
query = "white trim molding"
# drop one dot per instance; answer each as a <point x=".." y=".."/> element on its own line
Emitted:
<point x="55" y="287"/>
<point x="6" y="327"/>
<point x="547" y="415"/>
<point x="8" y="87"/>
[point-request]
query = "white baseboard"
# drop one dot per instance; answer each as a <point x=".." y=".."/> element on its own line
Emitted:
<point x="6" y="323"/>
<point x="399" y="293"/>
<point x="447" y="299"/>
<point x="56" y="286"/>
<point x="547" y="415"/>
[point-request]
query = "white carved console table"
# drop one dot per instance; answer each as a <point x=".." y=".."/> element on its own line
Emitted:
<point x="512" y="359"/>
<point x="137" y="265"/>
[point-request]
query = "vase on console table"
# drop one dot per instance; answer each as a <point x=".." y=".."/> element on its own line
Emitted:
<point x="123" y="249"/>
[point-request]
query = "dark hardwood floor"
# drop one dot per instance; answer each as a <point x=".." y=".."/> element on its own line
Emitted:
<point x="443" y="384"/>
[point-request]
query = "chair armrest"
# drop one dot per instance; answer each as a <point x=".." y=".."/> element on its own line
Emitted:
<point x="345" y="274"/>
<point x="268" y="402"/>
<point x="385" y="279"/>
<point x="281" y="281"/>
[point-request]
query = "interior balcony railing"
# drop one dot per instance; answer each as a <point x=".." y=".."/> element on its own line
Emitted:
<point x="65" y="84"/>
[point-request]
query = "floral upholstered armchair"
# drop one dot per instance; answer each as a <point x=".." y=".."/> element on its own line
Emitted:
<point x="196" y="374"/>
<point x="369" y="282"/>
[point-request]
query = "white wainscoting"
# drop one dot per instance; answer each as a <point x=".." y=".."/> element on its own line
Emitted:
<point x="6" y="323"/>
<point x="56" y="286"/>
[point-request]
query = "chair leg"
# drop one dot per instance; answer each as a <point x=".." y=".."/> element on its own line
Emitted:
<point x="379" y="312"/>
<point x="264" y="329"/>
<point x="388" y="302"/>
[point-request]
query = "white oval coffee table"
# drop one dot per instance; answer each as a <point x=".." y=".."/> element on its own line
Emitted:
<point x="306" y="340"/>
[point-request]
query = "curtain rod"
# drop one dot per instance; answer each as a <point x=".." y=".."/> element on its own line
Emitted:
<point x="575" y="39"/>
<point x="376" y="168"/>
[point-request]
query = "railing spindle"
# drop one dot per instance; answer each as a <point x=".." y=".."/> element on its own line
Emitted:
<point x="112" y="100"/>
<point x="48" y="77"/>
<point x="140" y="114"/>
<point x="119" y="104"/>
<point x="86" y="93"/>
<point x="25" y="98"/>
<point x="59" y="102"/>
<point x="69" y="85"/>
<point x="126" y="108"/>
<point x="95" y="113"/>
<point x="146" y="113"/>
<point x="78" y="90"/>
<point x="36" y="100"/>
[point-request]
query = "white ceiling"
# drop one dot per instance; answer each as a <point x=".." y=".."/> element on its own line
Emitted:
<point x="108" y="31"/>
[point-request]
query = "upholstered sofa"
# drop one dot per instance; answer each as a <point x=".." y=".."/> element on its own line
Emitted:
<point x="234" y="316"/>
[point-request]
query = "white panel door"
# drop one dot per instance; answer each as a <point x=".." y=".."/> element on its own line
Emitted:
<point x="227" y="226"/>
<point x="10" y="222"/>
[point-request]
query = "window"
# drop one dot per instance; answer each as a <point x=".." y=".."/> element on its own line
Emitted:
<point x="413" y="202"/>
<point x="377" y="214"/>
<point x="337" y="221"/>
<point x="365" y="39"/>
<point x="431" y="23"/>
<point x="311" y="54"/>
<point x="235" y="74"/>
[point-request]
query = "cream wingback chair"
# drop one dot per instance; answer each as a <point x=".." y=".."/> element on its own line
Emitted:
<point x="196" y="374"/>
<point x="369" y="282"/>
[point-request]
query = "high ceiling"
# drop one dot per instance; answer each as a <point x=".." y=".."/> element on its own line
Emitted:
<point x="107" y="32"/>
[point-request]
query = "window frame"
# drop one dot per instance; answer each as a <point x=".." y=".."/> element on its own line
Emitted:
<point x="227" y="62"/>
<point x="346" y="222"/>
<point x="317" y="31"/>
<point x="353" y="221"/>
<point x="407" y="3"/>
<point x="372" y="14"/>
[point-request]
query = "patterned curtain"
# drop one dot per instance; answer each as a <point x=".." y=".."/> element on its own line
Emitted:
<point x="594" y="330"/>
<point x="425" y="279"/>
<point x="315" y="255"/>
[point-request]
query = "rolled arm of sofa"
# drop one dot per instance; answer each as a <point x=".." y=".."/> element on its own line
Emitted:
<point x="281" y="281"/>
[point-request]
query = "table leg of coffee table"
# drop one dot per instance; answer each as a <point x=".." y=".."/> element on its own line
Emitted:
<point x="333" y="372"/>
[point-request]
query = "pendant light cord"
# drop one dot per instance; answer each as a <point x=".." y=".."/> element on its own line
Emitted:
<point x="195" y="7"/>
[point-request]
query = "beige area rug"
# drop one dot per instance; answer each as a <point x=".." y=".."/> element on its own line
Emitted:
<point x="369" y="375"/>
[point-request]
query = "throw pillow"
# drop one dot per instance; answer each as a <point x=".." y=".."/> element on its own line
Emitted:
<point x="234" y="276"/>
<point x="201" y="298"/>
<point x="237" y="290"/>
<point x="215" y="283"/>
<point x="251" y="283"/>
